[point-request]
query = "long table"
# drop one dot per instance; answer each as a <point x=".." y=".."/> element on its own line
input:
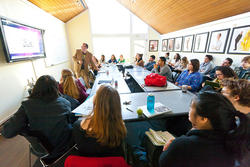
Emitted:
<point x="171" y="99"/>
<point x="139" y="74"/>
<point x="110" y="73"/>
<point x="177" y="101"/>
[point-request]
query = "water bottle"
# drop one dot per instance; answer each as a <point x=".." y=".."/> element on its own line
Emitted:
<point x="150" y="103"/>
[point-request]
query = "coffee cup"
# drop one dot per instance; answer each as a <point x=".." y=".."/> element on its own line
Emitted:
<point x="184" y="88"/>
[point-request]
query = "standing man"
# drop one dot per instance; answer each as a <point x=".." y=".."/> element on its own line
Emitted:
<point x="82" y="59"/>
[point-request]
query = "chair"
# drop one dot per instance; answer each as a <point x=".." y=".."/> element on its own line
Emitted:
<point x="42" y="150"/>
<point x="78" y="161"/>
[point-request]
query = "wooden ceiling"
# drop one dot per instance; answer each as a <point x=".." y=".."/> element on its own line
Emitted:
<point x="171" y="15"/>
<point x="64" y="10"/>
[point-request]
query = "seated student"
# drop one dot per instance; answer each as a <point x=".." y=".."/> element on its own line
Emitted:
<point x="207" y="65"/>
<point x="162" y="68"/>
<point x="102" y="60"/>
<point x="167" y="56"/>
<point x="222" y="72"/>
<point x="72" y="87"/>
<point x="183" y="65"/>
<point x="150" y="65"/>
<point x="96" y="62"/>
<point x="215" y="139"/>
<point x="103" y="132"/>
<point x="227" y="63"/>
<point x="238" y="92"/>
<point x="243" y="72"/>
<point x="113" y="60"/>
<point x="45" y="115"/>
<point x="176" y="61"/>
<point x="121" y="59"/>
<point x="138" y="60"/>
<point x="191" y="76"/>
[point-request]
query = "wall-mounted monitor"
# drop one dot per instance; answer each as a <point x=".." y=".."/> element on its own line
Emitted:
<point x="21" y="42"/>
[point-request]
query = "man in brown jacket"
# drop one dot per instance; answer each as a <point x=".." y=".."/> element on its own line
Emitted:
<point x="82" y="59"/>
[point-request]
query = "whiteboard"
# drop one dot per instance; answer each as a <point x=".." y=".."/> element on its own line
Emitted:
<point x="56" y="46"/>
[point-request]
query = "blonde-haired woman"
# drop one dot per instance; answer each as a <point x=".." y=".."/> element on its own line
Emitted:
<point x="103" y="132"/>
<point x="71" y="86"/>
<point x="183" y="65"/>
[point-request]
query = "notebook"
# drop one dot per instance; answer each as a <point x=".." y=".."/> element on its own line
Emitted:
<point x="159" y="138"/>
<point x="212" y="84"/>
<point x="104" y="81"/>
<point x="159" y="109"/>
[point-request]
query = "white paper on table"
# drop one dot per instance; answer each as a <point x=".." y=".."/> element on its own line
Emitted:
<point x="85" y="108"/>
<point x="159" y="109"/>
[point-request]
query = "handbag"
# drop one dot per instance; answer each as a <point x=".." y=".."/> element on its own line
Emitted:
<point x="155" y="80"/>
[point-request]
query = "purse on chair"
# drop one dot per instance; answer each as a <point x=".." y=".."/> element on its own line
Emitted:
<point x="79" y="161"/>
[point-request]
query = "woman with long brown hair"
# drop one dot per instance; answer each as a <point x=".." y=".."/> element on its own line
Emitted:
<point x="71" y="86"/>
<point x="103" y="132"/>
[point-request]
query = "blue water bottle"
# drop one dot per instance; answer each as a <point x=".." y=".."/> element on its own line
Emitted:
<point x="151" y="103"/>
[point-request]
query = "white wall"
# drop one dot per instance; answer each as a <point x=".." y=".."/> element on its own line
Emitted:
<point x="231" y="22"/>
<point x="13" y="76"/>
<point x="153" y="35"/>
<point x="78" y="31"/>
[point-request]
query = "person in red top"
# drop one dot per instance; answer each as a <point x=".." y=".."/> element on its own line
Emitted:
<point x="72" y="87"/>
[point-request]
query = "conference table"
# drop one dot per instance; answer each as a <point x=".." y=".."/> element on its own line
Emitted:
<point x="139" y="78"/>
<point x="170" y="96"/>
<point x="110" y="74"/>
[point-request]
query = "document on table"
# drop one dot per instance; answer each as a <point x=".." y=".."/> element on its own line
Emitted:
<point x="159" y="109"/>
<point x="85" y="108"/>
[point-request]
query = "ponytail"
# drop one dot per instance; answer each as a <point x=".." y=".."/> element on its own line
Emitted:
<point x="238" y="138"/>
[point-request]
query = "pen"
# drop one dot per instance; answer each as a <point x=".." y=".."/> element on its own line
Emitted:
<point x="129" y="110"/>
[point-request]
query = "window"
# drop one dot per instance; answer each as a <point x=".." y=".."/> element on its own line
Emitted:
<point x="115" y="30"/>
<point x="108" y="17"/>
<point x="111" y="45"/>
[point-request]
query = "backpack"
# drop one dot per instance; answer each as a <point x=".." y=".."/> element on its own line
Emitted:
<point x="155" y="80"/>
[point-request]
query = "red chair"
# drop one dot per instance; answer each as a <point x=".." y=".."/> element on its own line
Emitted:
<point x="78" y="161"/>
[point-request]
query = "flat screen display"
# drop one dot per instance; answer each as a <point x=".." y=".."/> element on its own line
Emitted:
<point x="21" y="42"/>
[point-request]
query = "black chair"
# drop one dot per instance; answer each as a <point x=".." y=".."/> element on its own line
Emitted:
<point x="175" y="76"/>
<point x="40" y="148"/>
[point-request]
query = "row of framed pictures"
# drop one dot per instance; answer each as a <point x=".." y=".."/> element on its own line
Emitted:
<point x="239" y="42"/>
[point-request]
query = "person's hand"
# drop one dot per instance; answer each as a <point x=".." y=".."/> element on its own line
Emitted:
<point x="176" y="83"/>
<point x="97" y="69"/>
<point x="155" y="66"/>
<point x="167" y="145"/>
<point x="203" y="84"/>
<point x="61" y="80"/>
<point x="80" y="61"/>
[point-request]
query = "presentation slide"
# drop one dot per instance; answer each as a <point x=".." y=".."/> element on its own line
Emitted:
<point x="22" y="41"/>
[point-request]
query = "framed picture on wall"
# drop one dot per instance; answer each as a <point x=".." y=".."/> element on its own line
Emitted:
<point x="164" y="45"/>
<point x="240" y="40"/>
<point x="218" y="41"/>
<point x="187" y="43"/>
<point x="178" y="44"/>
<point x="153" y="45"/>
<point x="200" y="42"/>
<point x="171" y="44"/>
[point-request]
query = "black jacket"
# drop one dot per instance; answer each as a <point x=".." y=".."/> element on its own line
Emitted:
<point x="48" y="120"/>
<point x="88" y="146"/>
<point x="198" y="148"/>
